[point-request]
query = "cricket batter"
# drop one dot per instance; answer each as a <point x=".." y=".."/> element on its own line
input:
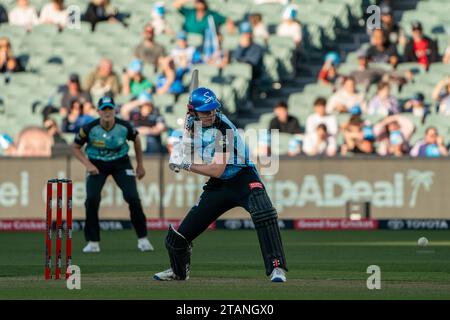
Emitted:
<point x="234" y="181"/>
<point x="107" y="154"/>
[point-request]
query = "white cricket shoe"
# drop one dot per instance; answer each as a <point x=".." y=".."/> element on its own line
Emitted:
<point x="166" y="275"/>
<point x="91" y="247"/>
<point x="144" y="245"/>
<point x="278" y="275"/>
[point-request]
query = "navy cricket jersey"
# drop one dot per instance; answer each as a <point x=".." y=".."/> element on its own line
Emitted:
<point x="103" y="144"/>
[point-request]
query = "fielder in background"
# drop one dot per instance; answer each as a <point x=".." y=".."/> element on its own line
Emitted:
<point x="234" y="181"/>
<point x="107" y="154"/>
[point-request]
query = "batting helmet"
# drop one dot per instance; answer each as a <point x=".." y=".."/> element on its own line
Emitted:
<point x="203" y="99"/>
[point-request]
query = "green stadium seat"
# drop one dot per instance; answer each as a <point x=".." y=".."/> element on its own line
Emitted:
<point x="162" y="101"/>
<point x="265" y="119"/>
<point x="271" y="12"/>
<point x="241" y="87"/>
<point x="236" y="69"/>
<point x="195" y="39"/>
<point x="255" y="126"/>
<point x="281" y="148"/>
<point x="303" y="100"/>
<point x="206" y="71"/>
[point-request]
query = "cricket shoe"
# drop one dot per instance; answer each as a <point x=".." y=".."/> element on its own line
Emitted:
<point x="278" y="275"/>
<point x="167" y="275"/>
<point x="144" y="245"/>
<point x="91" y="247"/>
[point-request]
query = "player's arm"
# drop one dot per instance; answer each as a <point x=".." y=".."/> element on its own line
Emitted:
<point x="140" y="171"/>
<point x="80" y="139"/>
<point x="90" y="167"/>
<point x="214" y="169"/>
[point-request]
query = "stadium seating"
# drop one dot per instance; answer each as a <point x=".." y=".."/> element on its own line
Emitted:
<point x="50" y="56"/>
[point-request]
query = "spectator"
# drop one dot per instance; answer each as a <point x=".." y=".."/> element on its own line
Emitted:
<point x="52" y="129"/>
<point x="60" y="146"/>
<point x="367" y="75"/>
<point x="381" y="50"/>
<point x="393" y="32"/>
<point x="221" y="57"/>
<point x="134" y="83"/>
<point x="441" y="94"/>
<point x="396" y="140"/>
<point x="99" y="11"/>
<point x="148" y="50"/>
<point x="183" y="54"/>
<point x="446" y="57"/>
<point x="89" y="109"/>
<point x="8" y="62"/>
<point x="290" y="27"/>
<point x="23" y="15"/>
<point x="249" y="52"/>
<point x="432" y="145"/>
<point x="356" y="139"/>
<point x="7" y="147"/>
<point x="169" y="80"/>
<point x="416" y="106"/>
<point x="320" y="142"/>
<point x="68" y="123"/>
<point x="73" y="91"/>
<point x="258" y="26"/>
<point x="320" y="116"/>
<point x="345" y="98"/>
<point x="159" y="22"/>
<point x="328" y="75"/>
<point x="294" y="147"/>
<point x="147" y="120"/>
<point x="33" y="142"/>
<point x="421" y="48"/>
<point x="393" y="134"/>
<point x="283" y="121"/>
<point x="103" y="80"/>
<point x="54" y="13"/>
<point x="3" y="15"/>
<point x="383" y="103"/>
<point x="196" y="19"/>
<point x="75" y="119"/>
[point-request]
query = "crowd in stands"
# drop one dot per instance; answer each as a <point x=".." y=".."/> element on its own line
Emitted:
<point x="369" y="90"/>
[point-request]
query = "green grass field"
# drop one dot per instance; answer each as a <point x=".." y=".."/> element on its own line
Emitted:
<point x="228" y="265"/>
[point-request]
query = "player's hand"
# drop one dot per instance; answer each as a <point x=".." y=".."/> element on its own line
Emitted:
<point x="140" y="172"/>
<point x="174" y="167"/>
<point x="178" y="166"/>
<point x="91" y="169"/>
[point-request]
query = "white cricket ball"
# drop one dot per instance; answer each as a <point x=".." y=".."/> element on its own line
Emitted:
<point x="422" y="241"/>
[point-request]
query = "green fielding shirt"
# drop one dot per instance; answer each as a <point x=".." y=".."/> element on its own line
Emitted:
<point x="192" y="25"/>
<point x="106" y="145"/>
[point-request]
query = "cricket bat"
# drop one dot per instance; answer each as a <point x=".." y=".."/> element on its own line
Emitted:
<point x="179" y="151"/>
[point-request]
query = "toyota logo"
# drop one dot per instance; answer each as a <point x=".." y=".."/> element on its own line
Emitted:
<point x="396" y="224"/>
